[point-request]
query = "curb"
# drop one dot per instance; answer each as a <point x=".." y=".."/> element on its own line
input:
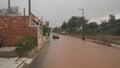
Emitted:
<point x="28" y="61"/>
<point x="100" y="42"/>
<point x="107" y="44"/>
<point x="21" y="65"/>
<point x="116" y="46"/>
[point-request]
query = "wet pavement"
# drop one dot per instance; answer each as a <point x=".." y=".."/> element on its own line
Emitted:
<point x="69" y="52"/>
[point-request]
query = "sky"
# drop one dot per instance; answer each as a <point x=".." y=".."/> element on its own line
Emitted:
<point x="56" y="11"/>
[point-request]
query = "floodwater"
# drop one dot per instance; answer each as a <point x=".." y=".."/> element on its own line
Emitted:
<point x="69" y="52"/>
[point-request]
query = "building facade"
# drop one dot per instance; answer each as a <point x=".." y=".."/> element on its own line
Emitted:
<point x="13" y="28"/>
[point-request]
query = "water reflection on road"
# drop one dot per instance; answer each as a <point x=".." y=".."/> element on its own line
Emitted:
<point x="39" y="61"/>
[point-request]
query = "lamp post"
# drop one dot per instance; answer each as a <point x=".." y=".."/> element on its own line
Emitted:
<point x="83" y="36"/>
<point x="82" y="11"/>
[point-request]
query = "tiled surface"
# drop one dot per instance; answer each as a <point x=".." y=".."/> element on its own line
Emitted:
<point x="14" y="62"/>
<point x="10" y="62"/>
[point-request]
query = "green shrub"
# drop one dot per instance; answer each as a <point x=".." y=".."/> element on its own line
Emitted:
<point x="25" y="45"/>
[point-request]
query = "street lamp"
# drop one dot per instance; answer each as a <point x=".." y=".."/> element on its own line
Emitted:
<point x="82" y="11"/>
<point x="83" y="37"/>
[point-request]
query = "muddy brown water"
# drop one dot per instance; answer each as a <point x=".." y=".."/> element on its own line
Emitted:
<point x="69" y="52"/>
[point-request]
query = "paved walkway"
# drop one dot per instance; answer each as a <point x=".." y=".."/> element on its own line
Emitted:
<point x="10" y="62"/>
<point x="69" y="52"/>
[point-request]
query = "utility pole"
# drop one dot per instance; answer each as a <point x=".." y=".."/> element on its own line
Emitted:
<point x="24" y="12"/>
<point x="29" y="12"/>
<point x="8" y="13"/>
<point x="29" y="1"/>
<point x="83" y="36"/>
<point x="8" y="7"/>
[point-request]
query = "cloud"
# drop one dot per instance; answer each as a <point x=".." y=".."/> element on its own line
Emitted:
<point x="56" y="11"/>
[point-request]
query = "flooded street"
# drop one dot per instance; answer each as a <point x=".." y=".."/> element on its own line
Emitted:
<point x="69" y="52"/>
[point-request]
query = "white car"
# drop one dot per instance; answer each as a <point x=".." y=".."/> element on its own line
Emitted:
<point x="56" y="36"/>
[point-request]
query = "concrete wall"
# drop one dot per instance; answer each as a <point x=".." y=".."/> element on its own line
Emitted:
<point x="14" y="28"/>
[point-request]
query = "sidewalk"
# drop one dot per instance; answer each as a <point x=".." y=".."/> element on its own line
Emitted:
<point x="10" y="62"/>
<point x="16" y="62"/>
<point x="7" y="52"/>
<point x="13" y="62"/>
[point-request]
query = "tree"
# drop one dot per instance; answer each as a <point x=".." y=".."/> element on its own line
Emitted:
<point x="75" y="23"/>
<point x="93" y="25"/>
<point x="64" y="25"/>
<point x="93" y="28"/>
<point x="112" y="21"/>
<point x="82" y="22"/>
<point x="111" y="27"/>
<point x="103" y="25"/>
<point x="45" y="30"/>
<point x="56" y="29"/>
<point x="111" y="18"/>
<point x="72" y="23"/>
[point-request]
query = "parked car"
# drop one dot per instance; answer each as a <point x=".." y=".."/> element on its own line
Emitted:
<point x="56" y="36"/>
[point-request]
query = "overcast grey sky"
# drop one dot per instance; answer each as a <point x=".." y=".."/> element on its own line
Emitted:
<point x="56" y="11"/>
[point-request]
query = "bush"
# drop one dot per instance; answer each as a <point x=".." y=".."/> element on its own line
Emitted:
<point x="93" y="31"/>
<point x="25" y="45"/>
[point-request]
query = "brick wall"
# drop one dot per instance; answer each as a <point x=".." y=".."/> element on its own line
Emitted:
<point x="14" y="28"/>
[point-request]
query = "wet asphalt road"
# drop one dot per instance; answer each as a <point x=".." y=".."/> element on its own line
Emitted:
<point x="69" y="52"/>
